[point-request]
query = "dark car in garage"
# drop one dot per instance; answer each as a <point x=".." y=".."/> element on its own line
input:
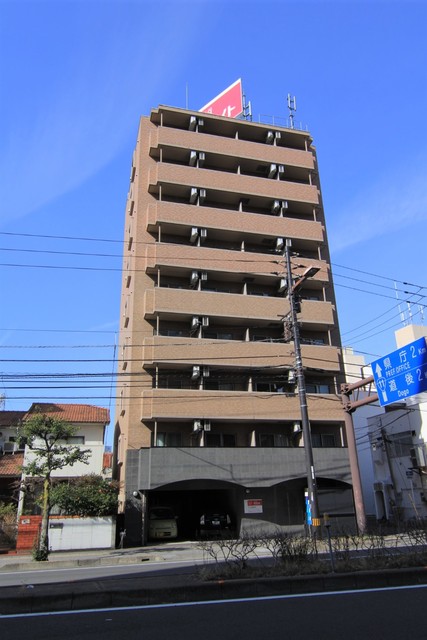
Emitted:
<point x="215" y="523"/>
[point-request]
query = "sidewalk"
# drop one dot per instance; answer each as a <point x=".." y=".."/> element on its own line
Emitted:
<point x="103" y="557"/>
<point x="68" y="559"/>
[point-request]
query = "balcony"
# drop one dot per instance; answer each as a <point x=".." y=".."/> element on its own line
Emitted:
<point x="229" y="183"/>
<point x="174" y="303"/>
<point x="175" y="139"/>
<point x="185" y="404"/>
<point x="175" y="350"/>
<point x="233" y="128"/>
<point x="176" y="217"/>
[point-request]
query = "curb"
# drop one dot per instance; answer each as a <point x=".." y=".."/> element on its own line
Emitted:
<point x="79" y="562"/>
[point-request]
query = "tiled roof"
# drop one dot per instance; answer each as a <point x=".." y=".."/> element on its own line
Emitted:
<point x="10" y="465"/>
<point x="70" y="412"/>
<point x="11" y="418"/>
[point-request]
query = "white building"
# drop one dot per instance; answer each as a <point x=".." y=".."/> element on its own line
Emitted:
<point x="398" y="439"/>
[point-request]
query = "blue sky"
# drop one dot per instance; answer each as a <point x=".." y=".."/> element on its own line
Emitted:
<point x="75" y="77"/>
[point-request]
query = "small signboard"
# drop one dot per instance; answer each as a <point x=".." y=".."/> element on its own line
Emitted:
<point x="308" y="518"/>
<point x="402" y="373"/>
<point x="253" y="506"/>
<point x="228" y="103"/>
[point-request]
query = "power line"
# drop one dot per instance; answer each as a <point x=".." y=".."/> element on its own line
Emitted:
<point x="375" y="275"/>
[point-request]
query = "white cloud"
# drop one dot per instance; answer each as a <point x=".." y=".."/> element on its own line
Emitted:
<point x="391" y="204"/>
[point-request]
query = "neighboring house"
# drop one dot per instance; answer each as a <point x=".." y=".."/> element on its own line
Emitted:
<point x="11" y="456"/>
<point x="398" y="437"/>
<point x="9" y="420"/>
<point x="208" y="415"/>
<point x="91" y="421"/>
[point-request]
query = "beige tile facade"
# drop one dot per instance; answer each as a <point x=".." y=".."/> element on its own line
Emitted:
<point x="204" y="337"/>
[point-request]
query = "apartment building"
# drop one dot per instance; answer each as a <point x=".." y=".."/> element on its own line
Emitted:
<point x="208" y="414"/>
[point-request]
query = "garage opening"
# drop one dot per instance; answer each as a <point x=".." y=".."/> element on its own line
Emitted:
<point x="190" y="504"/>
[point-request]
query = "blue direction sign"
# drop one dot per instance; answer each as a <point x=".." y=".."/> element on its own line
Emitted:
<point x="402" y="373"/>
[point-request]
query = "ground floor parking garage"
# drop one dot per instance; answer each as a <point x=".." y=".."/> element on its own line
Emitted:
<point x="258" y="491"/>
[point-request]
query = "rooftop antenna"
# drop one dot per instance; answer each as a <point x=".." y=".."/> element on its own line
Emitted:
<point x="247" y="109"/>
<point x="292" y="106"/>
<point x="186" y="95"/>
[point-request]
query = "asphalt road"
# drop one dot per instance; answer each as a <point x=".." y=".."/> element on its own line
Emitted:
<point x="390" y="614"/>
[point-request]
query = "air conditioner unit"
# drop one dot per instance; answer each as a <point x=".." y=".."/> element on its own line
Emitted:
<point x="204" y="275"/>
<point x="269" y="138"/>
<point x="205" y="321"/>
<point x="195" y="372"/>
<point x="193" y="195"/>
<point x="206" y="372"/>
<point x="201" y="122"/>
<point x="193" y="158"/>
<point x="272" y="170"/>
<point x="276" y="207"/>
<point x="193" y="123"/>
<point x="202" y="158"/>
<point x="280" y="243"/>
<point x="280" y="170"/>
<point x="197" y="425"/>
<point x="203" y="234"/>
<point x="194" y="234"/>
<point x="202" y="196"/>
<point x="278" y="135"/>
<point x="418" y="459"/>
<point x="195" y="322"/>
<point x="283" y="284"/>
<point x="207" y="425"/>
<point x="194" y="278"/>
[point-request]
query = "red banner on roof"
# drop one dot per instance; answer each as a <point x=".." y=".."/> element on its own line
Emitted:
<point x="228" y="103"/>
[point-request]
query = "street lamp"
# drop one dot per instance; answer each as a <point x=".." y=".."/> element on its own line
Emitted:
<point x="308" y="447"/>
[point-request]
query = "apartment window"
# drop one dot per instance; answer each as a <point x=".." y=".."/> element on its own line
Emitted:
<point x="314" y="341"/>
<point x="323" y="440"/>
<point x="220" y="440"/>
<point x="316" y="388"/>
<point x="216" y="335"/>
<point x="400" y="444"/>
<point x="175" y="333"/>
<point x="273" y="440"/>
<point x="168" y="439"/>
<point x="75" y="440"/>
<point x="264" y="338"/>
<point x="170" y="382"/>
<point x="218" y="385"/>
<point x="269" y="387"/>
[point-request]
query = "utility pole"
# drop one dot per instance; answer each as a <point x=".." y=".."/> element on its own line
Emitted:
<point x="349" y="407"/>
<point x="305" y="423"/>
